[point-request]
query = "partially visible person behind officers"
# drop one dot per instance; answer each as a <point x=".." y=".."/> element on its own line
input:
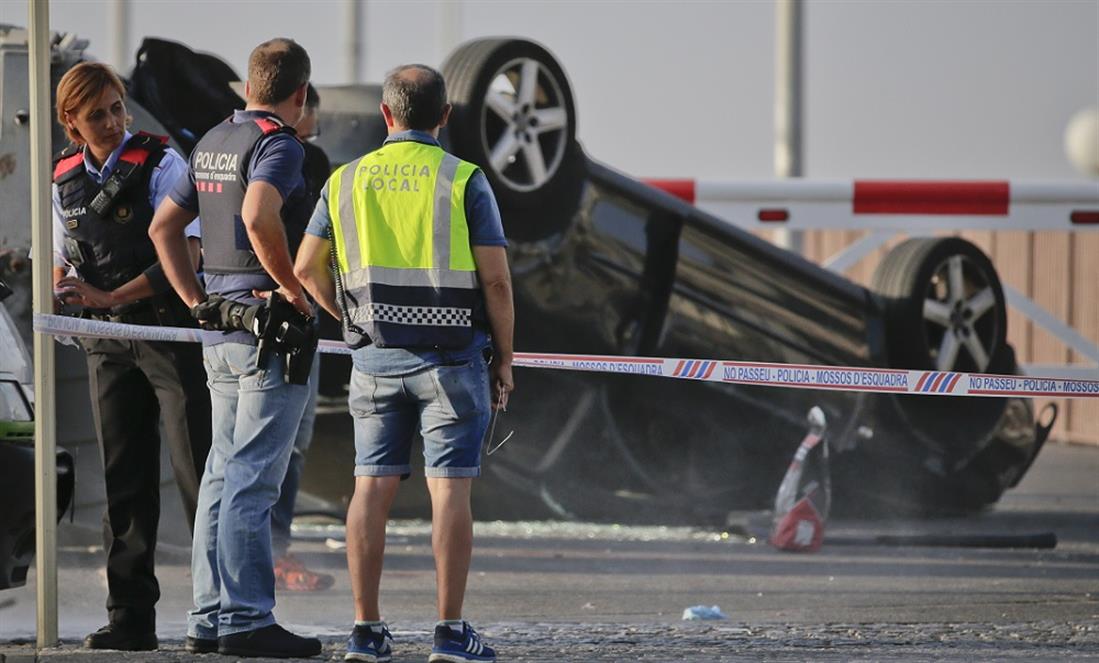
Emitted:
<point x="422" y="280"/>
<point x="291" y="573"/>
<point x="245" y="183"/>
<point x="106" y="185"/>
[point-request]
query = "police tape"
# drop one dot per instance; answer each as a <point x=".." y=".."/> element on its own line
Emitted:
<point x="769" y="374"/>
<point x="63" y="325"/>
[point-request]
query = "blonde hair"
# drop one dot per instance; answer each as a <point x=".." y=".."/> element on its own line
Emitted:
<point x="82" y="85"/>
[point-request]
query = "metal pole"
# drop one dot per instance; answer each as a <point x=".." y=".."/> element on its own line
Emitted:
<point x="449" y="26"/>
<point x="119" y="30"/>
<point x="788" y="102"/>
<point x="45" y="446"/>
<point x="352" y="25"/>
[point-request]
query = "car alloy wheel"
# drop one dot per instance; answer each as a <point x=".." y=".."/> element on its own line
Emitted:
<point x="513" y="115"/>
<point x="524" y="124"/>
<point x="956" y="312"/>
<point x="944" y="307"/>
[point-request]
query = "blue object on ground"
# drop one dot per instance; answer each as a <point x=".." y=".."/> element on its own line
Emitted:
<point x="703" y="612"/>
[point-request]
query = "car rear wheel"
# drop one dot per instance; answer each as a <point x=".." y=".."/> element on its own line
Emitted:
<point x="513" y="116"/>
<point x="945" y="310"/>
<point x="944" y="306"/>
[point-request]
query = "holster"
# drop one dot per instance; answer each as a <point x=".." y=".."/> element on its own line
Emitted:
<point x="286" y="330"/>
<point x="299" y="361"/>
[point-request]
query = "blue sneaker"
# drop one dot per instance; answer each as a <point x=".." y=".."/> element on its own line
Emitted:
<point x="459" y="646"/>
<point x="366" y="644"/>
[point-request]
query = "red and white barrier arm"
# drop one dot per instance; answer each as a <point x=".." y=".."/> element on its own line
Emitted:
<point x="795" y="376"/>
<point x="901" y="205"/>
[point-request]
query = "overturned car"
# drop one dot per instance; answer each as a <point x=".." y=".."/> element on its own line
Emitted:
<point x="603" y="263"/>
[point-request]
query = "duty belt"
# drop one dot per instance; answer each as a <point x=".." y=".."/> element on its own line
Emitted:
<point x="141" y="312"/>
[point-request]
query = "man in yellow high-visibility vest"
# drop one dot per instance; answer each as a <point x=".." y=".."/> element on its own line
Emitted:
<point x="424" y="295"/>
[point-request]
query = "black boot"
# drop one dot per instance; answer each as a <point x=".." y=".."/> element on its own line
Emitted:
<point x="119" y="636"/>
<point x="272" y="641"/>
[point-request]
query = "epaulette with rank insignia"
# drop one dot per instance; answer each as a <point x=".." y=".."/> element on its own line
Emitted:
<point x="270" y="125"/>
<point x="66" y="161"/>
<point x="140" y="146"/>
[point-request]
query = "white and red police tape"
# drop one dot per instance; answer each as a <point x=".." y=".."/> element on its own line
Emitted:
<point x="796" y="376"/>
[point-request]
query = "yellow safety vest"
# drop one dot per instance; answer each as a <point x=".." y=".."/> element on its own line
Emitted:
<point x="406" y="268"/>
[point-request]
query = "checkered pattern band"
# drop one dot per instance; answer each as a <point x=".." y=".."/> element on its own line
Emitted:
<point x="427" y="316"/>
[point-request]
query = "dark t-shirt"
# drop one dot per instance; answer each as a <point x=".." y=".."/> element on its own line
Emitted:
<point x="315" y="169"/>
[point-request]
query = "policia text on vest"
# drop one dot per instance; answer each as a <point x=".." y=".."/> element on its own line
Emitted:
<point x="397" y="177"/>
<point x="223" y="165"/>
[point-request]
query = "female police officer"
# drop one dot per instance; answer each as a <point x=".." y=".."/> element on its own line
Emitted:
<point x="106" y="185"/>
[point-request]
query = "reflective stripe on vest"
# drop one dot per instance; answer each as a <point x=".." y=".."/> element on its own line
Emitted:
<point x="402" y="245"/>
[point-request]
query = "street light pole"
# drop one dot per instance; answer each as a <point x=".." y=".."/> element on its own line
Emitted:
<point x="449" y="24"/>
<point x="788" y="103"/>
<point x="45" y="426"/>
<point x="119" y="31"/>
<point x="353" y="49"/>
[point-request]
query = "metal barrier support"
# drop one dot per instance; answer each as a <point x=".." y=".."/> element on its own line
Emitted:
<point x="45" y="425"/>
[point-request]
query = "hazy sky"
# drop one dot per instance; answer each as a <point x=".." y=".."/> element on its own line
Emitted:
<point x="893" y="88"/>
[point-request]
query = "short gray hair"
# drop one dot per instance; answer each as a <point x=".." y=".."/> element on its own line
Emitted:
<point x="416" y="95"/>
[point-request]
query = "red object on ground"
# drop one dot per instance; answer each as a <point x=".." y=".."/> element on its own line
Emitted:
<point x="800" y="530"/>
<point x="292" y="576"/>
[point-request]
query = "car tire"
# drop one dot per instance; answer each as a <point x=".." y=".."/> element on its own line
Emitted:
<point x="944" y="306"/>
<point x="944" y="310"/>
<point x="513" y="115"/>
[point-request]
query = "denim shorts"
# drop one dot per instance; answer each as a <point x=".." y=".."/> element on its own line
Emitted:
<point x="447" y="405"/>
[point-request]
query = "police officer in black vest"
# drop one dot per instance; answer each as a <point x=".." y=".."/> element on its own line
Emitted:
<point x="106" y="186"/>
<point x="246" y="183"/>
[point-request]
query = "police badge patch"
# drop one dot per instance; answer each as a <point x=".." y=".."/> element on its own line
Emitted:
<point x="71" y="224"/>
<point x="123" y="213"/>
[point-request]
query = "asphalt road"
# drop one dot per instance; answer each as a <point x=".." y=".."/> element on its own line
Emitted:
<point x="571" y="592"/>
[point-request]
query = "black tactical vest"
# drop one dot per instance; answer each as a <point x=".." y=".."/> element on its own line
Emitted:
<point x="107" y="226"/>
<point x="220" y="165"/>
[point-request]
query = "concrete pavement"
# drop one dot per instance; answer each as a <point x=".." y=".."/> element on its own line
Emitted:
<point x="543" y="591"/>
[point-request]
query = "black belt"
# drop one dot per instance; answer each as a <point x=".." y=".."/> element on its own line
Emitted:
<point x="147" y="317"/>
<point x="142" y="312"/>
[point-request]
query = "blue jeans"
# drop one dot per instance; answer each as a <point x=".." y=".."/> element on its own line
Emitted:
<point x="448" y="405"/>
<point x="255" y="416"/>
<point x="283" y="514"/>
